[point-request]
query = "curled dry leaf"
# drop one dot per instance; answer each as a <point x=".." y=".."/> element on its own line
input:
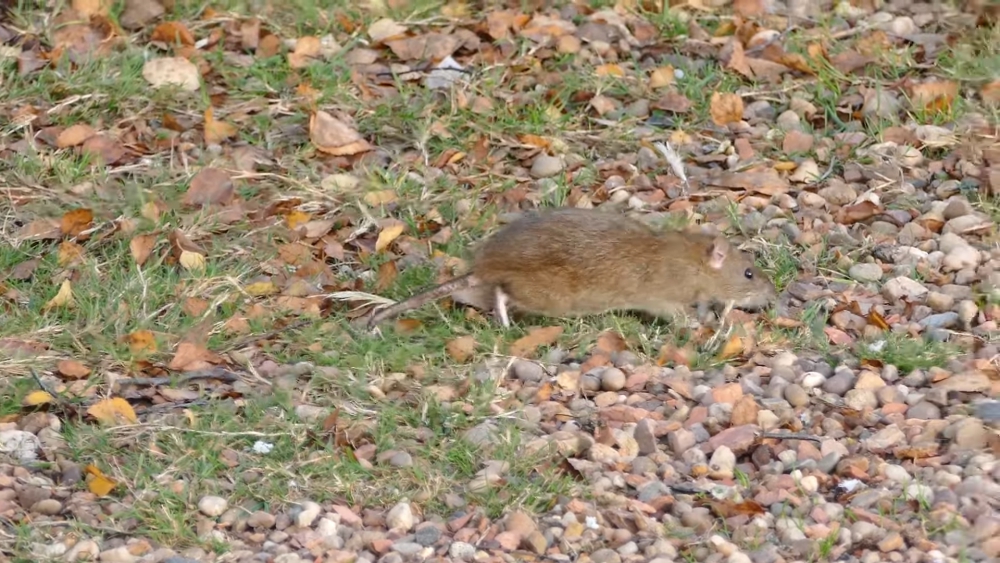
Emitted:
<point x="176" y="71"/>
<point x="388" y="234"/>
<point x="74" y="135"/>
<point x="98" y="483"/>
<point x="76" y="221"/>
<point x="141" y="342"/>
<point x="172" y="33"/>
<point x="217" y="131"/>
<point x="385" y="29"/>
<point x="461" y="349"/>
<point x="307" y="49"/>
<point x="141" y="247"/>
<point x="64" y="298"/>
<point x="526" y="346"/>
<point x="333" y="136"/>
<point x="113" y="411"/>
<point x="726" y="108"/>
<point x="210" y="186"/>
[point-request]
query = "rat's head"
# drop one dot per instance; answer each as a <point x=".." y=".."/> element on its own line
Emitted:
<point x="738" y="278"/>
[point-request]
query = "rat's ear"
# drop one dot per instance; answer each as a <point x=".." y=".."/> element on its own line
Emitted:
<point x="717" y="252"/>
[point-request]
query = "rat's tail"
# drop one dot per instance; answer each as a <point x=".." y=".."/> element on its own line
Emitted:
<point x="420" y="299"/>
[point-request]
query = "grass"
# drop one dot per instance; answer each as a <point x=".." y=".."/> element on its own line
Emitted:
<point x="385" y="389"/>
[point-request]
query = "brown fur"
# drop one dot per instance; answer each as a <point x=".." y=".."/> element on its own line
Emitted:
<point x="569" y="262"/>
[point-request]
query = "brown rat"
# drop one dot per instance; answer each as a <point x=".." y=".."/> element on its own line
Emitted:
<point x="570" y="262"/>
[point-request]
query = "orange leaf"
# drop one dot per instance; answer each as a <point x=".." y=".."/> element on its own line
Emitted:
<point x="113" y="411"/>
<point x="333" y="136"/>
<point x="141" y="342"/>
<point x="141" y="247"/>
<point x="99" y="484"/>
<point x="461" y="349"/>
<point x="934" y="96"/>
<point x="69" y="252"/>
<point x="210" y="185"/>
<point x="76" y="221"/>
<point x="74" y="135"/>
<point x="217" y="131"/>
<point x="526" y="345"/>
<point x="172" y="33"/>
<point x="726" y="108"/>
<point x="306" y="50"/>
<point x="72" y="369"/>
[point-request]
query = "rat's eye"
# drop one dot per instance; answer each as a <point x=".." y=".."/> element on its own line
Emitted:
<point x="748" y="274"/>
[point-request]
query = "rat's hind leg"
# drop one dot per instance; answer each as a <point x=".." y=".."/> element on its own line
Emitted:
<point x="500" y="306"/>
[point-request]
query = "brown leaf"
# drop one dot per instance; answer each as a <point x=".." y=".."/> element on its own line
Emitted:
<point x="194" y="306"/>
<point x="88" y="8"/>
<point x="191" y="356"/>
<point x="990" y="92"/>
<point x="734" y="58"/>
<point x="217" y="131"/>
<point x="733" y="347"/>
<point x="430" y="46"/>
<point x="250" y="34"/>
<point x="662" y="77"/>
<point x="749" y="8"/>
<point x="141" y="247"/>
<point x="837" y="336"/>
<point x="80" y="36"/>
<point x="797" y="141"/>
<point x="386" y="276"/>
<point x="461" y="349"/>
<point x="103" y="149"/>
<point x="74" y="135"/>
<point x="210" y="186"/>
<point x="307" y="50"/>
<point x="728" y="508"/>
<point x="726" y="108"/>
<point x="36" y="398"/>
<point x="72" y="369"/>
<point x="333" y="136"/>
<point x="385" y="29"/>
<point x="850" y="214"/>
<point x="172" y="33"/>
<point x="611" y="341"/>
<point x="525" y="346"/>
<point x="757" y="180"/>
<point x="76" y="221"/>
<point x="388" y="234"/>
<point x="674" y="102"/>
<point x="40" y="229"/>
<point x="878" y="320"/>
<point x="850" y="61"/>
<point x="24" y="270"/>
<point x="270" y="45"/>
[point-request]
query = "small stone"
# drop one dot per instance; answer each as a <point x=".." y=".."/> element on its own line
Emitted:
<point x="527" y="371"/>
<point x="865" y="272"/>
<point x="48" y="507"/>
<point x="924" y="411"/>
<point x="535" y="542"/>
<point x="117" y="555"/>
<point x="261" y="520"/>
<point x="861" y="399"/>
<point x="212" y="506"/>
<point x="796" y="395"/>
<point x="812" y="379"/>
<point x="891" y="542"/>
<point x="310" y="413"/>
<point x="546" y="166"/>
<point x="400" y="517"/>
<point x="613" y="379"/>
<point x="869" y="380"/>
<point x="902" y="287"/>
<point x="967" y="311"/>
<point x="940" y="302"/>
<point x="960" y="258"/>
<point x="722" y="464"/>
<point x="520" y="523"/>
<point x="645" y="437"/>
<point x="84" y="550"/>
<point x="427" y="534"/>
<point x="462" y="551"/>
<point x="839" y="383"/>
<point x="947" y="319"/>
<point x="681" y="440"/>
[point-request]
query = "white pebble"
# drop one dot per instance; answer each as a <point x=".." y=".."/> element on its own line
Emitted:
<point x="400" y="517"/>
<point x="212" y="506"/>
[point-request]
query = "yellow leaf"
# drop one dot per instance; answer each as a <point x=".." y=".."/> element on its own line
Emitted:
<point x="380" y="197"/>
<point x="296" y="219"/>
<point x="217" y="131"/>
<point x="662" y="77"/>
<point x="734" y="346"/>
<point x="69" y="252"/>
<point x="36" y="398"/>
<point x="258" y="289"/>
<point x="99" y="483"/>
<point x="609" y="69"/>
<point x="192" y="260"/>
<point x="150" y="211"/>
<point x="62" y="299"/>
<point x="388" y="235"/>
<point x="112" y="411"/>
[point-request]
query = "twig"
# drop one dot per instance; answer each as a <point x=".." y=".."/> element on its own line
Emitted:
<point x="214" y="373"/>
<point x="791" y="436"/>
<point x="263" y="336"/>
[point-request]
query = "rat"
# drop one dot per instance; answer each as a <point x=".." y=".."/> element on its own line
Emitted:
<point x="569" y="262"/>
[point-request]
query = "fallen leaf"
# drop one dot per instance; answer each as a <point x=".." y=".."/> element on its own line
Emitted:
<point x="40" y="229"/>
<point x="837" y="336"/>
<point x="176" y="71"/>
<point x="609" y="69"/>
<point x="850" y="214"/>
<point x="217" y="131"/>
<point x="64" y="298"/>
<point x="333" y="136"/>
<point x="611" y="341"/>
<point x="69" y="253"/>
<point x="270" y="45"/>
<point x="103" y="149"/>
<point x="24" y="270"/>
<point x="729" y="509"/>
<point x="192" y="261"/>
<point x="172" y="33"/>
<point x="733" y="347"/>
<point x="380" y="197"/>
<point x="758" y="180"/>
<point x="210" y="186"/>
<point x="74" y="135"/>
<point x="404" y="326"/>
<point x="36" y="398"/>
<point x="461" y="349"/>
<point x="525" y="346"/>
<point x="99" y="484"/>
<point x="88" y="8"/>
<point x="388" y="234"/>
<point x="191" y="356"/>
<point x="429" y="46"/>
<point x="385" y="29"/>
<point x="76" y="221"/>
<point x="662" y="77"/>
<point x="990" y="92"/>
<point x="674" y="102"/>
<point x="261" y="288"/>
<point x="194" y="306"/>
<point x="726" y="108"/>
<point x="934" y="97"/>
<point x="307" y="49"/>
<point x="113" y="411"/>
<point x="141" y="342"/>
<point x="141" y="247"/>
<point x="850" y="61"/>
<point x="72" y="369"/>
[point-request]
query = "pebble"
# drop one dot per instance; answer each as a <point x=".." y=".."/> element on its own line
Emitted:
<point x="865" y="272"/>
<point x="400" y="517"/>
<point x="212" y="506"/>
<point x="307" y="513"/>
<point x="613" y="379"/>
<point x="545" y="166"/>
